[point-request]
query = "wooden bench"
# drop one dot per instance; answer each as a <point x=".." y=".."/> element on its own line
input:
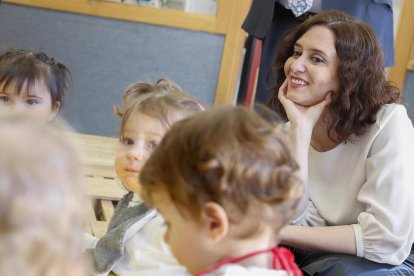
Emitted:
<point x="103" y="187"/>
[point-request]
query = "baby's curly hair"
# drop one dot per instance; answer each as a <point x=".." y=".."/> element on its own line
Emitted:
<point x="231" y="156"/>
<point x="159" y="100"/>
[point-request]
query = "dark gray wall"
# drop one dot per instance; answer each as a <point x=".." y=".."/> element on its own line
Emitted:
<point x="106" y="55"/>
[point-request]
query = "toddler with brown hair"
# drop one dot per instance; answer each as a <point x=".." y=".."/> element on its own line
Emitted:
<point x="225" y="182"/>
<point x="133" y="243"/>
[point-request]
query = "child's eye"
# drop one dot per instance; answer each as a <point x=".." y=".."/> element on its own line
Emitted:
<point x="152" y="145"/>
<point x="32" y="101"/>
<point x="4" y="99"/>
<point x="127" y="141"/>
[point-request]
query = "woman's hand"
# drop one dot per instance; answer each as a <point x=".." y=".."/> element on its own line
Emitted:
<point x="300" y="115"/>
<point x="302" y="121"/>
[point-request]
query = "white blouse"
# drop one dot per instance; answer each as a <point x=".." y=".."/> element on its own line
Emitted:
<point x="369" y="185"/>
<point x="146" y="253"/>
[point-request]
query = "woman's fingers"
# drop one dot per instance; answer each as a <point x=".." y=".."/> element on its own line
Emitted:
<point x="282" y="92"/>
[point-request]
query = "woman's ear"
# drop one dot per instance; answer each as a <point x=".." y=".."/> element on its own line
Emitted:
<point x="217" y="220"/>
<point x="55" y="110"/>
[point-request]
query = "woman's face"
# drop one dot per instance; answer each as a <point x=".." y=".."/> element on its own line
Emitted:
<point x="311" y="71"/>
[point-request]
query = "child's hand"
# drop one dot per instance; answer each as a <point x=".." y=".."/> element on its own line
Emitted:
<point x="300" y="115"/>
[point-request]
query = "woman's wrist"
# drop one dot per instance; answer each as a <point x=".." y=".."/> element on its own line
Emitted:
<point x="284" y="234"/>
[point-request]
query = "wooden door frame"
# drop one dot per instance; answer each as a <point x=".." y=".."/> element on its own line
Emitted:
<point x="404" y="40"/>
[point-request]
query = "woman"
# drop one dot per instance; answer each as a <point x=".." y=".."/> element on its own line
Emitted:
<point x="355" y="146"/>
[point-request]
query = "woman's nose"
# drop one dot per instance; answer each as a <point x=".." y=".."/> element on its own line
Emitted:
<point x="298" y="65"/>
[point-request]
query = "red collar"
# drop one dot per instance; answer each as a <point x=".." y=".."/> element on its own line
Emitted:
<point x="282" y="259"/>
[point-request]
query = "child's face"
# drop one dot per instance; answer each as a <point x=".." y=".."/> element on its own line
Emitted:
<point x="35" y="101"/>
<point x="140" y="136"/>
<point x="187" y="238"/>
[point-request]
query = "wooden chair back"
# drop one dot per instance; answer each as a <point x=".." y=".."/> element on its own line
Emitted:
<point x="103" y="187"/>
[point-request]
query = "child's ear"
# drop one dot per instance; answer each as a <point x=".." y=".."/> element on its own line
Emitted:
<point x="55" y="110"/>
<point x="217" y="220"/>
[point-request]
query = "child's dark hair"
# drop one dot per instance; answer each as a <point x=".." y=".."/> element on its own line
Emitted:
<point x="231" y="156"/>
<point x="157" y="100"/>
<point x="19" y="67"/>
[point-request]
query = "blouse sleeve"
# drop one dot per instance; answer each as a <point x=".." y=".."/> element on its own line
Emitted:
<point x="310" y="217"/>
<point x="384" y="232"/>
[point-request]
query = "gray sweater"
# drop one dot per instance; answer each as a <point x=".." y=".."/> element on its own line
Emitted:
<point x="110" y="247"/>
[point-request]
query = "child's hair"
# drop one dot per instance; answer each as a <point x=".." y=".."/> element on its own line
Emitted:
<point x="18" y="67"/>
<point x="41" y="200"/>
<point x="161" y="100"/>
<point x="231" y="156"/>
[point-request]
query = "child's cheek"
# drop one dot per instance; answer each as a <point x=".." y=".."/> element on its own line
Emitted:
<point x="131" y="183"/>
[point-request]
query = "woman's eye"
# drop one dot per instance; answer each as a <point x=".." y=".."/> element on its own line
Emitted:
<point x="296" y="53"/>
<point x="5" y="99"/>
<point x="127" y="141"/>
<point x="317" y="60"/>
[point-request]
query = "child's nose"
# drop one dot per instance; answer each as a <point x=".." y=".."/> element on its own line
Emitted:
<point x="136" y="153"/>
<point x="18" y="106"/>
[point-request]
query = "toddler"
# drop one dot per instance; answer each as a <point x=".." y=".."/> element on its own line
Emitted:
<point x="225" y="183"/>
<point x="133" y="242"/>
<point x="32" y="82"/>
<point x="41" y="200"/>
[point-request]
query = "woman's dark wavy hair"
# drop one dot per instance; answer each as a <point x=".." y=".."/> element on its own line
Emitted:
<point x="363" y="88"/>
<point x="18" y="67"/>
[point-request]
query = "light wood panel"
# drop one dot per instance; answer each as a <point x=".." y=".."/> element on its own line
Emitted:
<point x="103" y="187"/>
<point x="404" y="38"/>
<point x="410" y="64"/>
<point x="232" y="53"/>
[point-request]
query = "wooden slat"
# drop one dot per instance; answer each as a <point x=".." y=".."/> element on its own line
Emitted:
<point x="99" y="228"/>
<point x="101" y="171"/>
<point x="103" y="188"/>
<point x="233" y="52"/>
<point x="91" y="217"/>
<point x="107" y="209"/>
<point x="410" y="63"/>
<point x="98" y="155"/>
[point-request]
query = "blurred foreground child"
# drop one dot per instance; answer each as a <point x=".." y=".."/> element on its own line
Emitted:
<point x="41" y="200"/>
